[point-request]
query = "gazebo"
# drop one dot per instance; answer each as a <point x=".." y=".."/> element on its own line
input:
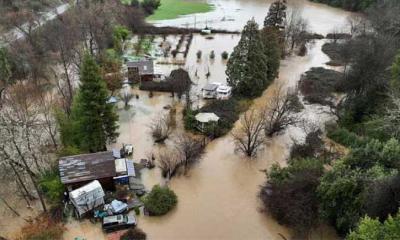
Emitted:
<point x="205" y="118"/>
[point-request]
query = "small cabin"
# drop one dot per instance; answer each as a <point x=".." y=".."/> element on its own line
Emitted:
<point x="78" y="170"/>
<point x="140" y="70"/>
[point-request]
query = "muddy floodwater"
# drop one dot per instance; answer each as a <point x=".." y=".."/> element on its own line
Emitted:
<point x="217" y="199"/>
<point x="233" y="15"/>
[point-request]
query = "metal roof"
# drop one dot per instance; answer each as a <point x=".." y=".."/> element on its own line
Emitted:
<point x="86" y="167"/>
<point x="206" y="117"/>
<point x="145" y="66"/>
<point x="210" y="87"/>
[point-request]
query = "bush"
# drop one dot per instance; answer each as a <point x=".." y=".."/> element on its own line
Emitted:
<point x="290" y="194"/>
<point x="318" y="84"/>
<point x="347" y="138"/>
<point x="134" y="234"/>
<point x="68" y="151"/>
<point x="51" y="185"/>
<point x="212" y="54"/>
<point x="227" y="110"/>
<point x="198" y="54"/>
<point x="160" y="200"/>
<point x="150" y="6"/>
<point x="225" y="55"/>
<point x="43" y="228"/>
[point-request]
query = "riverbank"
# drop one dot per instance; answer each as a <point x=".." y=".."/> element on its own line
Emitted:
<point x="171" y="9"/>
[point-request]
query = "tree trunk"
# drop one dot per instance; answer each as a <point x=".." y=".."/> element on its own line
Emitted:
<point x="25" y="191"/>
<point x="9" y="207"/>
<point x="35" y="184"/>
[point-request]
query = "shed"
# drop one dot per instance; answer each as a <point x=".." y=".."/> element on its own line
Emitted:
<point x="87" y="197"/>
<point x="78" y="170"/>
<point x="140" y="70"/>
<point x="205" y="118"/>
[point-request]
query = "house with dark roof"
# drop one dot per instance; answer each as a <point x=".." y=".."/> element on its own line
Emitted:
<point x="78" y="170"/>
<point x="140" y="70"/>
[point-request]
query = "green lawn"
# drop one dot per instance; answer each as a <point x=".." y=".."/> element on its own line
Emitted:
<point x="171" y="9"/>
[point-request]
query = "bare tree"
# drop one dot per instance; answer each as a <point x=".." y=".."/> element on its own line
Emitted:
<point x="126" y="97"/>
<point x="169" y="163"/>
<point x="161" y="127"/>
<point x="281" y="110"/>
<point x="189" y="150"/>
<point x="249" y="137"/>
<point x="295" y="29"/>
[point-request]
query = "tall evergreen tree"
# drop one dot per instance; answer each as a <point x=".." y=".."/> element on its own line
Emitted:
<point x="276" y="15"/>
<point x="273" y="50"/>
<point x="247" y="68"/>
<point x="395" y="82"/>
<point x="93" y="120"/>
<point x="5" y="70"/>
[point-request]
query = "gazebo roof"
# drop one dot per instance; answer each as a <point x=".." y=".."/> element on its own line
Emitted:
<point x="207" y="117"/>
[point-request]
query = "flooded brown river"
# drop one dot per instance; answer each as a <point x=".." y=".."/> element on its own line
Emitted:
<point x="218" y="197"/>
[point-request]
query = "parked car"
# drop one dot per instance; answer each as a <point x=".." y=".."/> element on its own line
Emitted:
<point x="118" y="222"/>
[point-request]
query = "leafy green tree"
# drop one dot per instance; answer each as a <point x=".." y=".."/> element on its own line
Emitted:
<point x="247" y="68"/>
<point x="160" y="200"/>
<point x="93" y="122"/>
<point x="272" y="50"/>
<point x="120" y="35"/>
<point x="372" y="229"/>
<point x="341" y="197"/>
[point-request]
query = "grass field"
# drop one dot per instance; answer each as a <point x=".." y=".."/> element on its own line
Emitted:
<point x="171" y="9"/>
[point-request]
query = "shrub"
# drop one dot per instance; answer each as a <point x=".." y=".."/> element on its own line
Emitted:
<point x="134" y="234"/>
<point x="51" y="185"/>
<point x="318" y="84"/>
<point x="228" y="111"/>
<point x="212" y="54"/>
<point x="290" y="194"/>
<point x="160" y="200"/>
<point x="225" y="55"/>
<point x="150" y="6"/>
<point x="43" y="228"/>
<point x="68" y="151"/>
<point x="198" y="54"/>
<point x="347" y="138"/>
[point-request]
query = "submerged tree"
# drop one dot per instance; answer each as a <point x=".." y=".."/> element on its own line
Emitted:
<point x="161" y="127"/>
<point x="249" y="137"/>
<point x="247" y="68"/>
<point x="189" y="150"/>
<point x="93" y="121"/>
<point x="281" y="111"/>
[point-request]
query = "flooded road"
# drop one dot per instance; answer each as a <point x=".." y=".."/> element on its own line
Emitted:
<point x="218" y="198"/>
